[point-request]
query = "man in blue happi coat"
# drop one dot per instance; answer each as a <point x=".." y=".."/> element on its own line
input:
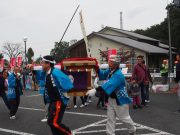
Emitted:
<point x="14" y="91"/>
<point x="57" y="84"/>
<point x="118" y="98"/>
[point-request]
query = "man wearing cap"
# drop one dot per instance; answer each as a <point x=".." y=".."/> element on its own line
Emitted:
<point x="118" y="98"/>
<point x="56" y="85"/>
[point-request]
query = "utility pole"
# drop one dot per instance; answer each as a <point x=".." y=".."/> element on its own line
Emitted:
<point x="121" y="20"/>
<point x="174" y="4"/>
<point x="25" y="41"/>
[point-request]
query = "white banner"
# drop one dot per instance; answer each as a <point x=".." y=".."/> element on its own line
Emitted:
<point x="84" y="34"/>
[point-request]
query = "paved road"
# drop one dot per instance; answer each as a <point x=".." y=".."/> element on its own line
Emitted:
<point x="159" y="118"/>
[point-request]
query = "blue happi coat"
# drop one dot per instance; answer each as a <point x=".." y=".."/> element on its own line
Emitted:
<point x="13" y="85"/>
<point x="62" y="82"/>
<point x="116" y="83"/>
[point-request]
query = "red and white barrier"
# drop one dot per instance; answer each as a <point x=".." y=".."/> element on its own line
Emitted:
<point x="160" y="88"/>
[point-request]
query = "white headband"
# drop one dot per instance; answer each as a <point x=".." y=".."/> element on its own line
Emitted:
<point x="114" y="58"/>
<point x="52" y="62"/>
<point x="104" y="66"/>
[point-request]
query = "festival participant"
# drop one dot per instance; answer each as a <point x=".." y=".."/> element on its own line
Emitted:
<point x="177" y="79"/>
<point x="43" y="93"/>
<point x="56" y="85"/>
<point x="4" y="86"/>
<point x="118" y="102"/>
<point x="14" y="91"/>
<point x="75" y="103"/>
<point x="45" y="99"/>
<point x="99" y="81"/>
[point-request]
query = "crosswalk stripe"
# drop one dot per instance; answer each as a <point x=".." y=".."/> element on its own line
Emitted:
<point x="14" y="132"/>
<point x="139" y="126"/>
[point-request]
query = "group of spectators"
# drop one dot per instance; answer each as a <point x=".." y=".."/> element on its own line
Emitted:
<point x="139" y="84"/>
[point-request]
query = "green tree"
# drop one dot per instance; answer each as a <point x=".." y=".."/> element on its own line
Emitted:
<point x="6" y="63"/>
<point x="59" y="52"/>
<point x="30" y="54"/>
<point x="1" y="56"/>
<point x="160" y="31"/>
<point x="38" y="60"/>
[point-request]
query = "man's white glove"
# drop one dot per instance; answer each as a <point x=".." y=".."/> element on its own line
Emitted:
<point x="91" y="92"/>
<point x="66" y="95"/>
<point x="96" y="82"/>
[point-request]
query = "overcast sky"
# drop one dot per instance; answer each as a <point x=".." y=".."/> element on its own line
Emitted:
<point x="44" y="21"/>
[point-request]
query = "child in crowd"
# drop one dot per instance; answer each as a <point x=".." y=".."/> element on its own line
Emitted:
<point x="134" y="92"/>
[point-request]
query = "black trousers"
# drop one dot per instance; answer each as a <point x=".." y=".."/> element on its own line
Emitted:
<point x="14" y="104"/>
<point x="74" y="100"/>
<point x="106" y="98"/>
<point x="55" y="115"/>
<point x="147" y="92"/>
<point x="86" y="98"/>
<point x="101" y="99"/>
<point x="24" y="82"/>
<point x="143" y="93"/>
<point x="4" y="97"/>
<point x="164" y="79"/>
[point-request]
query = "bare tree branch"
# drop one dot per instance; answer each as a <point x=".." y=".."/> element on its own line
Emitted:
<point x="12" y="50"/>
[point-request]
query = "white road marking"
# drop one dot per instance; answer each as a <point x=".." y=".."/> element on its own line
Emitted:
<point x="33" y="95"/>
<point x="139" y="126"/>
<point x="32" y="109"/>
<point x="74" y="113"/>
<point x="154" y="130"/>
<point x="87" y="126"/>
<point x="14" y="132"/>
<point x="156" y="134"/>
<point x="100" y="131"/>
<point x="87" y="114"/>
<point x="100" y="125"/>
